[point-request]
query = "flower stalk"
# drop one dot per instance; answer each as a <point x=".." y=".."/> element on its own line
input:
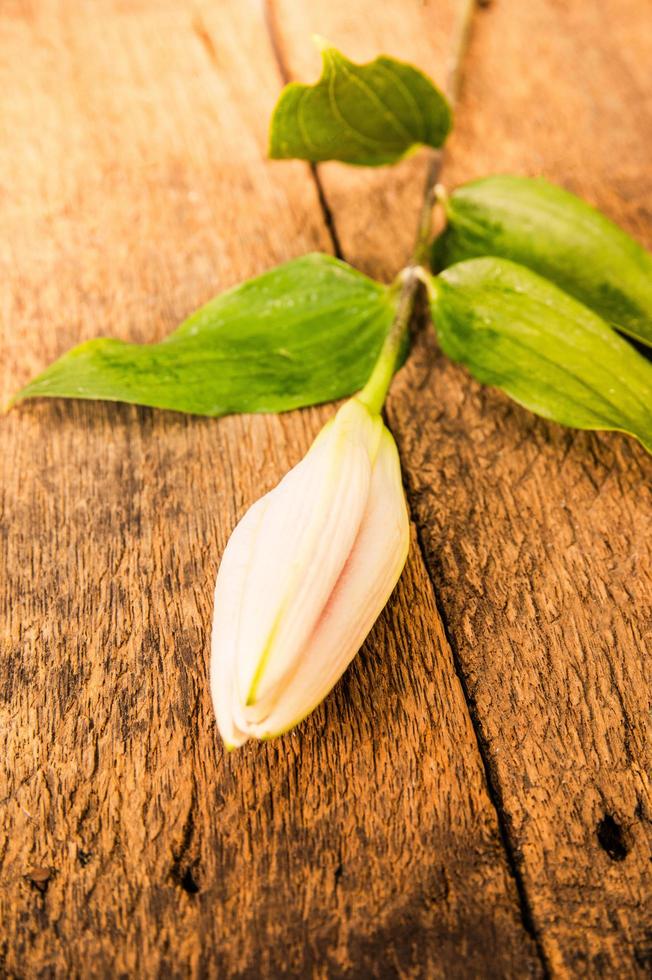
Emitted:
<point x="374" y="393"/>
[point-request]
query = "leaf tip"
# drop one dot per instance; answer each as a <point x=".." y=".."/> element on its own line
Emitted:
<point x="6" y="407"/>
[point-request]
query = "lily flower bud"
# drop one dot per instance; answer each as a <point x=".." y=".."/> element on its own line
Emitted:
<point x="304" y="576"/>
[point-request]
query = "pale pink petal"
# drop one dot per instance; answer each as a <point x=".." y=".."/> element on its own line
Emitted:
<point x="229" y="590"/>
<point x="362" y="590"/>
<point x="306" y="535"/>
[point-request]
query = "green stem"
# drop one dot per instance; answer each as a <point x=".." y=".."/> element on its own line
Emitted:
<point x="375" y="391"/>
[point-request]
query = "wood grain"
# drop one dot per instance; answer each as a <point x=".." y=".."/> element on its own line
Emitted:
<point x="133" y="187"/>
<point x="537" y="539"/>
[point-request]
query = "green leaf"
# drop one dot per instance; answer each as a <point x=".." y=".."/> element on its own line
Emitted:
<point x="369" y="114"/>
<point x="308" y="331"/>
<point x="516" y="331"/>
<point x="557" y="235"/>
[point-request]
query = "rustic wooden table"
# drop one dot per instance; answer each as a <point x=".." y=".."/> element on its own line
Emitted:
<point x="473" y="800"/>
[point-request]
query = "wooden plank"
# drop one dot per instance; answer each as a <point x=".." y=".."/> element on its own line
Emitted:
<point x="537" y="538"/>
<point x="134" y="186"/>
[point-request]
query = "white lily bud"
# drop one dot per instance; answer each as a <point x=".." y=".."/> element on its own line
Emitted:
<point x="304" y="576"/>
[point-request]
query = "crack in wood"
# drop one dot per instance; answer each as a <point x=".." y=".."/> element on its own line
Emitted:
<point x="491" y="777"/>
<point x="493" y="788"/>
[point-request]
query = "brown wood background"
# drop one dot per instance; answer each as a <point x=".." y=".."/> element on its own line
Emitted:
<point x="473" y="800"/>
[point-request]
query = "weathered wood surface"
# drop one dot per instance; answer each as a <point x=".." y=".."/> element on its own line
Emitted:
<point x="442" y="806"/>
<point x="538" y="539"/>
<point x="365" y="843"/>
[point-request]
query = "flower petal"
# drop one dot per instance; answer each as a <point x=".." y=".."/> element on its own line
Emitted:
<point x="306" y="535"/>
<point x="229" y="589"/>
<point x="362" y="590"/>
